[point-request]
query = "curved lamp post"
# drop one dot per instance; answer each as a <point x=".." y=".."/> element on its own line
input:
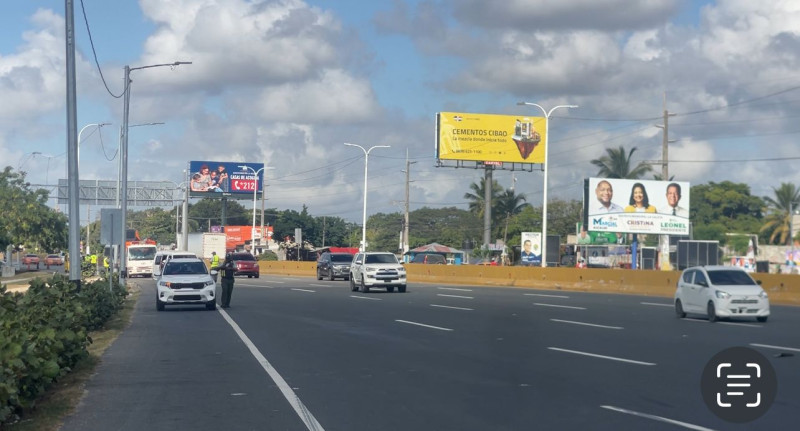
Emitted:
<point x="363" y="247"/>
<point x="124" y="152"/>
<point x="546" y="169"/>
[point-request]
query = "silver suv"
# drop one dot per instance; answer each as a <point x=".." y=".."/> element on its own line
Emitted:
<point x="377" y="269"/>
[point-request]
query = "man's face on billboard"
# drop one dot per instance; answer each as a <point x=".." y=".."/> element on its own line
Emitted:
<point x="673" y="196"/>
<point x="604" y="193"/>
<point x="527" y="246"/>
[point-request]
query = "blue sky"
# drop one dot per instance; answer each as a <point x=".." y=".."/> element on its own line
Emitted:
<point x="287" y="83"/>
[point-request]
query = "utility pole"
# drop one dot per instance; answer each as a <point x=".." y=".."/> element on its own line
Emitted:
<point x="405" y="224"/>
<point x="487" y="206"/>
<point x="664" y="239"/>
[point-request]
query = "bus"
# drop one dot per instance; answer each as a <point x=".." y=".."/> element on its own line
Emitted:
<point x="139" y="260"/>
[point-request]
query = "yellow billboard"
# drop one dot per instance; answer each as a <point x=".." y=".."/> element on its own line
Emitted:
<point x="490" y="138"/>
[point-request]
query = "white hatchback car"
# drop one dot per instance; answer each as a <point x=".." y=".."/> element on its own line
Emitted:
<point x="720" y="291"/>
<point x="377" y="269"/>
<point x="186" y="281"/>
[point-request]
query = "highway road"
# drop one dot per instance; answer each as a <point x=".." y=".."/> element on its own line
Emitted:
<point x="295" y="353"/>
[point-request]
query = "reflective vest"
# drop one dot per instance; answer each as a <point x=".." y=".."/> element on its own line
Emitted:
<point x="105" y="262"/>
<point x="94" y="259"/>
<point x="214" y="261"/>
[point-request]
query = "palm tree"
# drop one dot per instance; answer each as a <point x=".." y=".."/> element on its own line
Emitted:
<point x="787" y="201"/>
<point x="476" y="198"/>
<point x="616" y="164"/>
<point x="506" y="205"/>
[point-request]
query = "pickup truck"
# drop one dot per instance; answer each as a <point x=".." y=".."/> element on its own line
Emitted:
<point x="30" y="260"/>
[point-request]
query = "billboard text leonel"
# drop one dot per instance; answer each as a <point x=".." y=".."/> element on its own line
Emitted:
<point x="638" y="206"/>
<point x="490" y="138"/>
<point x="236" y="180"/>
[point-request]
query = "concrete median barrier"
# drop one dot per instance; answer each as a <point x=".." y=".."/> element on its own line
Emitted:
<point x="783" y="289"/>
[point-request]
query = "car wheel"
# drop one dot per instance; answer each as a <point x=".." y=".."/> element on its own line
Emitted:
<point x="319" y="275"/>
<point x="211" y="305"/>
<point x="401" y="289"/>
<point x="257" y="275"/>
<point x="762" y="319"/>
<point x="249" y="276"/>
<point x="352" y="285"/>
<point x="364" y="287"/>
<point x="712" y="313"/>
<point x="390" y="289"/>
<point x="679" y="309"/>
<point x="159" y="305"/>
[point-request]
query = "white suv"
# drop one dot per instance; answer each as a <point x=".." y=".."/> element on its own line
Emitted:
<point x="186" y="281"/>
<point x="377" y="269"/>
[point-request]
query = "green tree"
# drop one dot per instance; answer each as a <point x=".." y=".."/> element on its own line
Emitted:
<point x="208" y="212"/>
<point x="27" y="220"/>
<point x="778" y="221"/>
<point x="725" y="207"/>
<point x="476" y="197"/>
<point x="617" y="164"/>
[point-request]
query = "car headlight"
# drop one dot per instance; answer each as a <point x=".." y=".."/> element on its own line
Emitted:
<point x="370" y="269"/>
<point x="209" y="283"/>
<point x="163" y="283"/>
<point x="763" y="295"/>
<point x="722" y="295"/>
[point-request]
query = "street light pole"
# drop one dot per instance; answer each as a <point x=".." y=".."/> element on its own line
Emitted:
<point x="546" y="169"/>
<point x="124" y="153"/>
<point x="255" y="189"/>
<point x="363" y="247"/>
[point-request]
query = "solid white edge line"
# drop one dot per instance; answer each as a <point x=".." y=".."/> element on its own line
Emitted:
<point x="656" y="303"/>
<point x="587" y="324"/>
<point x="304" y="290"/>
<point x="451" y="307"/>
<point x="594" y="355"/>
<point x="319" y="285"/>
<point x="767" y="346"/>
<point x="422" y="324"/>
<point x="454" y="296"/>
<point x="273" y="281"/>
<point x="658" y="418"/>
<point x="455" y="288"/>
<point x="365" y="297"/>
<point x="559" y="306"/>
<point x="546" y="296"/>
<point x="305" y="415"/>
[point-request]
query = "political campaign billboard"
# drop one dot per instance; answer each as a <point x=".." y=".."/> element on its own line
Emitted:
<point x="637" y="206"/>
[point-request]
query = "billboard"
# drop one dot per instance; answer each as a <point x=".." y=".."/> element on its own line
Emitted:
<point x="637" y="206"/>
<point x="236" y="180"/>
<point x="490" y="138"/>
<point x="531" y="249"/>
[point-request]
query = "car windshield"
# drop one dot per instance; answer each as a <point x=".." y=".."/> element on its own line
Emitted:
<point x="730" y="278"/>
<point x="381" y="258"/>
<point x="341" y="258"/>
<point x="185" y="268"/>
<point x="243" y="256"/>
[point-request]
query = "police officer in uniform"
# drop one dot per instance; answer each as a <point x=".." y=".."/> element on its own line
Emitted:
<point x="228" y="269"/>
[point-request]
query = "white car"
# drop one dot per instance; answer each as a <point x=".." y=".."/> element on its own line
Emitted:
<point x="186" y="281"/>
<point x="720" y="291"/>
<point x="377" y="269"/>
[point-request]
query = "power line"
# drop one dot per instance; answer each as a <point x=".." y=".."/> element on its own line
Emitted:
<point x="96" y="62"/>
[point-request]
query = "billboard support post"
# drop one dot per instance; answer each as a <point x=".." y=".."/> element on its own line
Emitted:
<point x="546" y="166"/>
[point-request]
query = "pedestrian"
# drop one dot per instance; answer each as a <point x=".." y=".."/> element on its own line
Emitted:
<point x="105" y="265"/>
<point x="214" y="263"/>
<point x="228" y="270"/>
<point x="93" y="261"/>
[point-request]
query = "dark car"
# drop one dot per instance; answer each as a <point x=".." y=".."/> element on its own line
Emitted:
<point x="429" y="258"/>
<point x="246" y="264"/>
<point x="334" y="265"/>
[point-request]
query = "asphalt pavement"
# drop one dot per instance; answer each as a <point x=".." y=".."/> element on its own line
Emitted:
<point x="294" y="353"/>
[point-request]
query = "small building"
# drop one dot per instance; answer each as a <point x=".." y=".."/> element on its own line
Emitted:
<point x="452" y="255"/>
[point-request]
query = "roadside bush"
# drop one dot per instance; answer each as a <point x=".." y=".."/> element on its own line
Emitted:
<point x="267" y="256"/>
<point x="45" y="333"/>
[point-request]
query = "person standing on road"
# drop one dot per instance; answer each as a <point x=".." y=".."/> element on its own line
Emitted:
<point x="228" y="269"/>
<point x="214" y="263"/>
<point x="93" y="261"/>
